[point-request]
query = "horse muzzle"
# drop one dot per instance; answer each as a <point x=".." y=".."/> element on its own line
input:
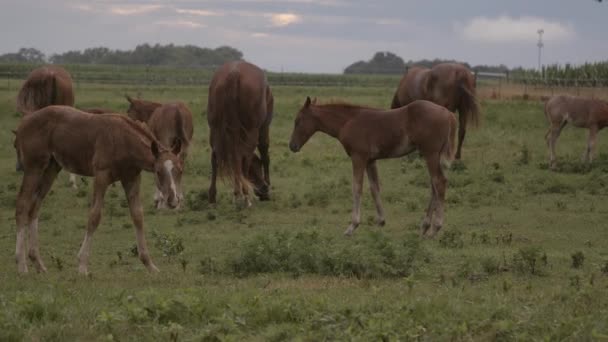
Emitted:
<point x="294" y="147"/>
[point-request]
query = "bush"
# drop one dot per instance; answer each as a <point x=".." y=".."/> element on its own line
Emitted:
<point x="530" y="260"/>
<point x="371" y="256"/>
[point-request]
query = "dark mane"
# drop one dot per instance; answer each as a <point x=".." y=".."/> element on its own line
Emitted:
<point x="343" y="107"/>
<point x="140" y="128"/>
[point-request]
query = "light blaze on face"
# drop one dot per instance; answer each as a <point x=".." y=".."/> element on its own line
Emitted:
<point x="168" y="178"/>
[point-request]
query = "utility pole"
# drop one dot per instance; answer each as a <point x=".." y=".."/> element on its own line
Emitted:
<point x="540" y="47"/>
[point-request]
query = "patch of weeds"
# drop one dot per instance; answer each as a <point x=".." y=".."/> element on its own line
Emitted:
<point x="209" y="265"/>
<point x="452" y="238"/>
<point x="604" y="268"/>
<point x="197" y="200"/>
<point x="170" y="244"/>
<point x="412" y="206"/>
<point x="458" y="166"/>
<point x="490" y="265"/>
<point x="294" y="201"/>
<point x="81" y="193"/>
<point x="497" y="177"/>
<point x="211" y="216"/>
<point x="578" y="259"/>
<point x="524" y="155"/>
<point x="368" y="255"/>
<point x="36" y="309"/>
<point x="530" y="260"/>
<point x="57" y="261"/>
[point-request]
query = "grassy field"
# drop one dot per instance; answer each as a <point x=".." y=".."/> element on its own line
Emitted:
<point x="523" y="254"/>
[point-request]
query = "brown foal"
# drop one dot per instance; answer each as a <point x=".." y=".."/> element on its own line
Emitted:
<point x="370" y="134"/>
<point x="108" y="148"/>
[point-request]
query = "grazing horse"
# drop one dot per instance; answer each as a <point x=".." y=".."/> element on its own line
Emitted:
<point x="581" y="112"/>
<point x="239" y="112"/>
<point x="450" y="85"/>
<point x="108" y="148"/>
<point x="171" y="124"/>
<point x="45" y="86"/>
<point x="370" y="134"/>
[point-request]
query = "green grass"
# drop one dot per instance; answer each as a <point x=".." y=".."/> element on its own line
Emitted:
<point x="503" y="267"/>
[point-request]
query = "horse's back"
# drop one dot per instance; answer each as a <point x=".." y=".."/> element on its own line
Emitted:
<point x="575" y="109"/>
<point x="45" y="86"/>
<point x="172" y="120"/>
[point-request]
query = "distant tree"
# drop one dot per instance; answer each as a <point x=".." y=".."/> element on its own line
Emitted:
<point x="25" y="55"/>
<point x="381" y="63"/>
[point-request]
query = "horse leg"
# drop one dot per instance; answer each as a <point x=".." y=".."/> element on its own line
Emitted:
<point x="462" y="130"/>
<point x="426" y="222"/>
<point x="212" y="186"/>
<point x="47" y="180"/>
<point x="24" y="205"/>
<point x="241" y="192"/>
<point x="358" y="170"/>
<point x="101" y="183"/>
<point x="131" y="188"/>
<point x="591" y="141"/>
<point x="374" y="186"/>
<point x="263" y="144"/>
<point x="73" y="182"/>
<point x="438" y="185"/>
<point x="552" y="140"/>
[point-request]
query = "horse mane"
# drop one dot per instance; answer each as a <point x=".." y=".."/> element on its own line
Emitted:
<point x="140" y="128"/>
<point x="343" y="106"/>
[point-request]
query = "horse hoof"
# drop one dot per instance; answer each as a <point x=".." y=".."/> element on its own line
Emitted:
<point x="381" y="222"/>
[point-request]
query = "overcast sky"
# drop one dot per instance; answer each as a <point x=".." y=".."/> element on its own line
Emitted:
<point x="319" y="35"/>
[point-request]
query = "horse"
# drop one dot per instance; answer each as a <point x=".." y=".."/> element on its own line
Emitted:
<point x="369" y="134"/>
<point x="450" y="85"/>
<point x="108" y="148"/>
<point x="239" y="112"/>
<point x="581" y="112"/>
<point x="45" y="86"/>
<point x="171" y="124"/>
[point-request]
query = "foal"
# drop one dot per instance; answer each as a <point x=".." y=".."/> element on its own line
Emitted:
<point x="108" y="148"/>
<point x="171" y="124"/>
<point x="581" y="112"/>
<point x="370" y="134"/>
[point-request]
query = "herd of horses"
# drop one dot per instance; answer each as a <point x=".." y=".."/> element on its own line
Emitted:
<point x="53" y="135"/>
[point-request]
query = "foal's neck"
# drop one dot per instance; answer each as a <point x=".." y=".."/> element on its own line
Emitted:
<point x="333" y="118"/>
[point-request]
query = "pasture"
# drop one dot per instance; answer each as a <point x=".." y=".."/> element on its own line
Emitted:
<point x="523" y="254"/>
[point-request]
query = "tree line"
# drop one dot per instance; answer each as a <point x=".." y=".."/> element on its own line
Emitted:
<point x="144" y="54"/>
<point x="390" y="63"/>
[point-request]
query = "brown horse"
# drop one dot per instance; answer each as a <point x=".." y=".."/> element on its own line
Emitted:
<point x="45" y="86"/>
<point x="450" y="85"/>
<point x="171" y="124"/>
<point x="108" y="148"/>
<point x="370" y="134"/>
<point x="239" y="112"/>
<point x="581" y="112"/>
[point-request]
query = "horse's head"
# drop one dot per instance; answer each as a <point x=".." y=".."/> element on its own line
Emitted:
<point x="139" y="110"/>
<point x="168" y="169"/>
<point x="256" y="177"/>
<point x="304" y="127"/>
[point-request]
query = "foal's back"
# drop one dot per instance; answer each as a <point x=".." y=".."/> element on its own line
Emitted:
<point x="580" y="111"/>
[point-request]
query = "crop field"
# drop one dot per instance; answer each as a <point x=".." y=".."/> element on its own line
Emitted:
<point x="523" y="254"/>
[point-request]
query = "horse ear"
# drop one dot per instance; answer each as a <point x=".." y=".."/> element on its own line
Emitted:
<point x="177" y="146"/>
<point x="128" y="98"/>
<point x="155" y="149"/>
<point x="14" y="131"/>
<point x="307" y="103"/>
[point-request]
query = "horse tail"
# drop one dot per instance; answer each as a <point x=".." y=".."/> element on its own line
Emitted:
<point x="36" y="93"/>
<point x="448" y="150"/>
<point x="232" y="137"/>
<point x="468" y="102"/>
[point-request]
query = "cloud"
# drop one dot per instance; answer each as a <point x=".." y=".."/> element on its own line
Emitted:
<point x="508" y="29"/>
<point x="201" y="13"/>
<point x="180" y="24"/>
<point x="134" y="9"/>
<point x="284" y="19"/>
